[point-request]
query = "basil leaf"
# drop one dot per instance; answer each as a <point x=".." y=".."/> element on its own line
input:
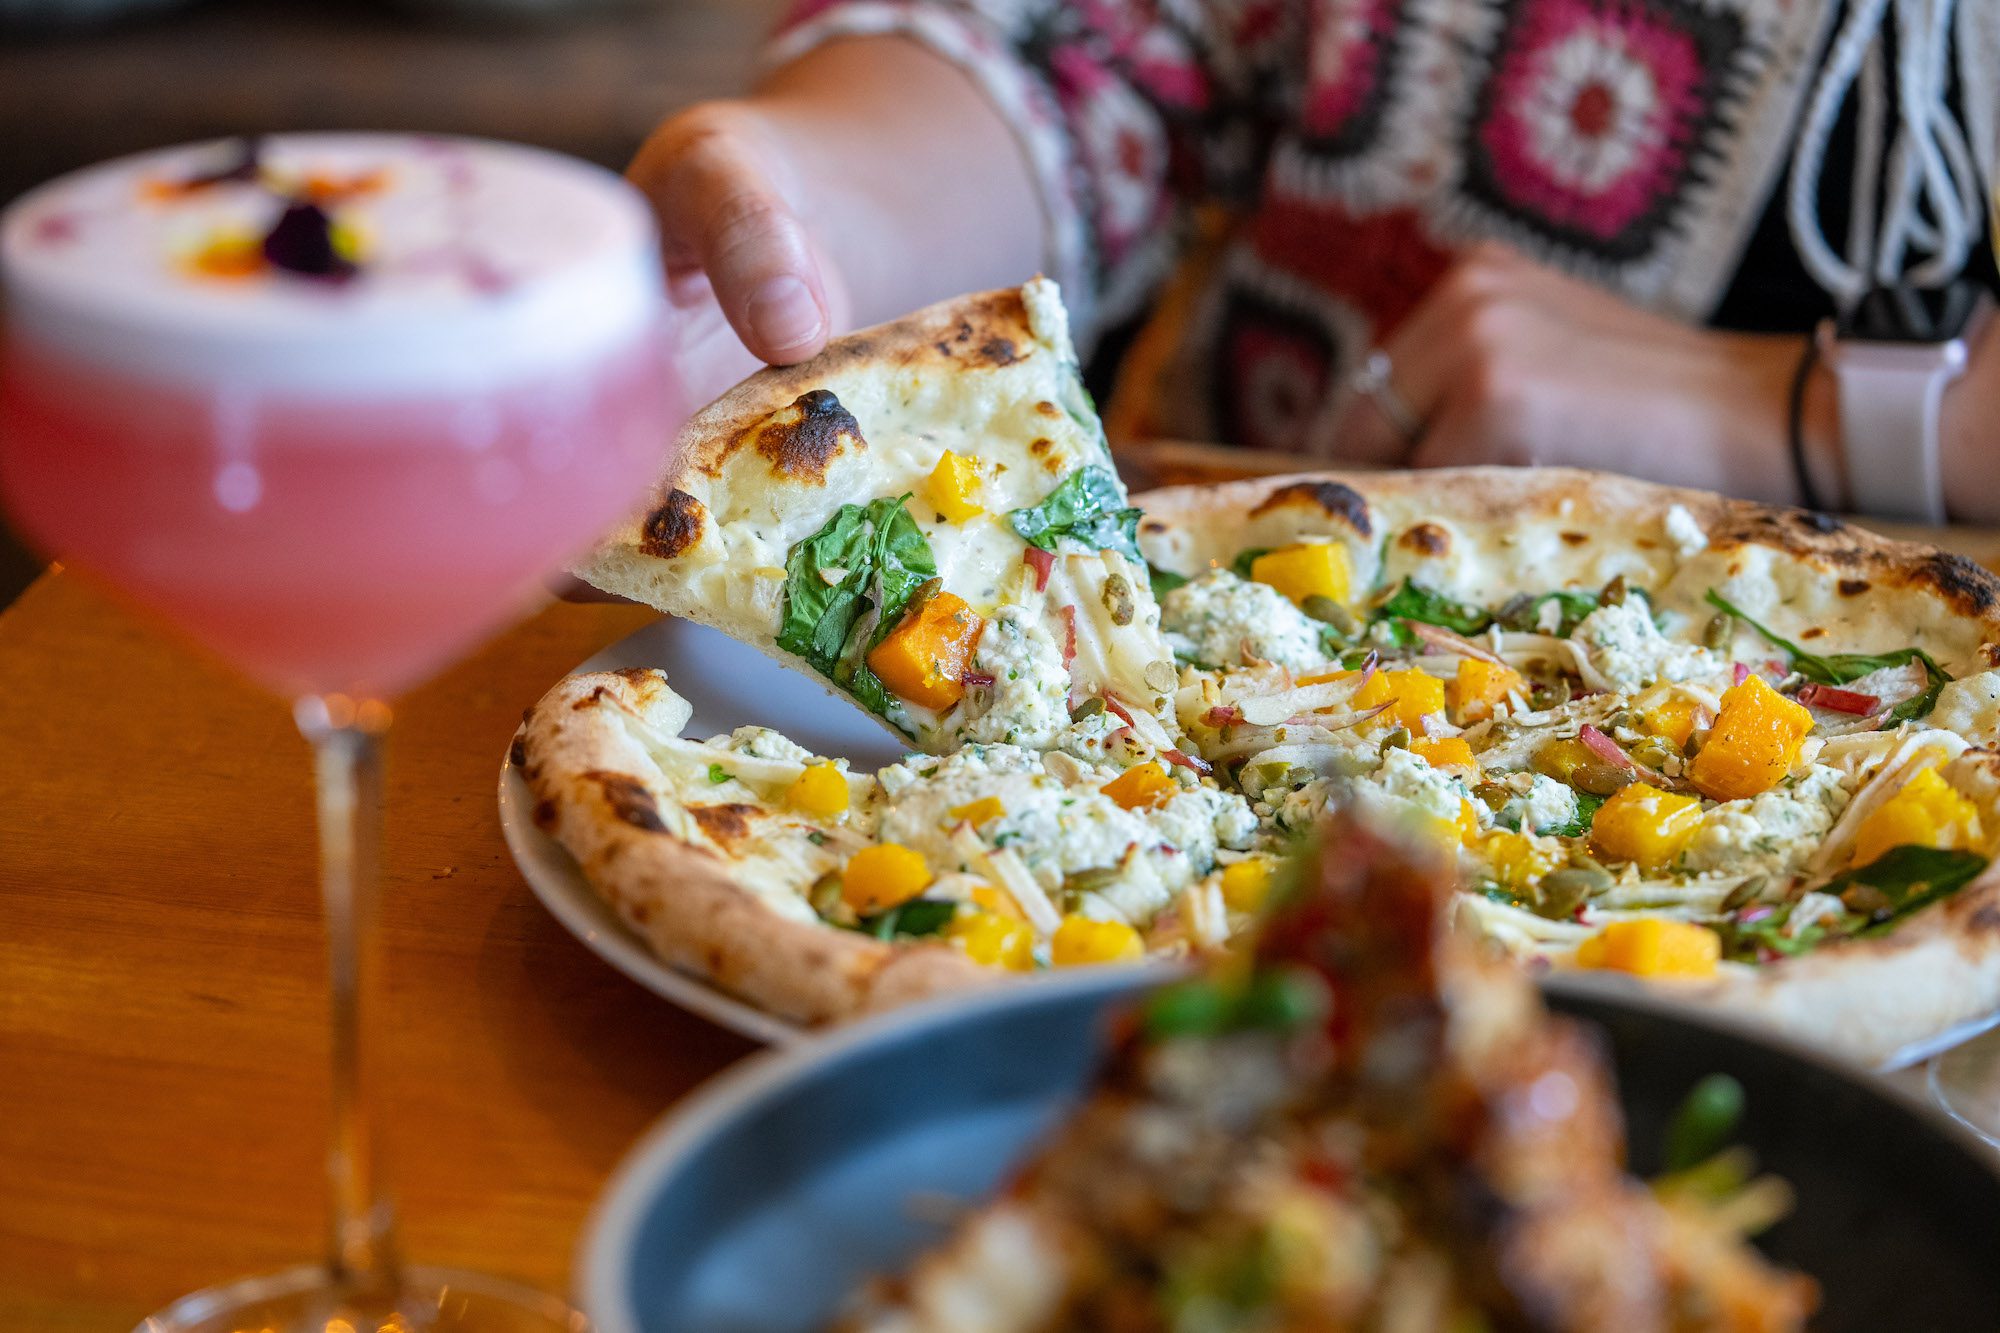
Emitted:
<point x="1586" y="810"/>
<point x="1845" y="668"/>
<point x="718" y="775"/>
<point x="1745" y="942"/>
<point x="1911" y="878"/>
<point x="1164" y="581"/>
<point x="1089" y="509"/>
<point x="882" y="558"/>
<point x="919" y="916"/>
<point x="1246" y="558"/>
<point x="1413" y="601"/>
<point x="1704" y="1122"/>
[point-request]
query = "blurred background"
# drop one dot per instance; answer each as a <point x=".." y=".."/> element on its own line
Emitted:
<point x="82" y="80"/>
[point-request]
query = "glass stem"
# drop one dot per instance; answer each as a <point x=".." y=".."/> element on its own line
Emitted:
<point x="346" y="737"/>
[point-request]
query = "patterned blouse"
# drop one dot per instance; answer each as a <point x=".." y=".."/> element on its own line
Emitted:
<point x="1345" y="149"/>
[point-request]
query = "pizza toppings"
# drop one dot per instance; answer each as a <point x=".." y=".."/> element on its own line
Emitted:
<point x="1306" y="571"/>
<point x="923" y="659"/>
<point x="1755" y="741"/>
<point x="953" y="488"/>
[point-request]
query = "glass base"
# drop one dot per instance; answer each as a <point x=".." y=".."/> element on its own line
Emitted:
<point x="1965" y="1082"/>
<point x="431" y="1300"/>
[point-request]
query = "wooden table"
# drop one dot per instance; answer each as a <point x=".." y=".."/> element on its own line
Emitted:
<point x="162" y="1003"/>
<point x="162" y="1084"/>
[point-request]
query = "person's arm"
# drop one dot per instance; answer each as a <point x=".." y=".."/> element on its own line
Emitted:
<point x="1506" y="361"/>
<point x="866" y="178"/>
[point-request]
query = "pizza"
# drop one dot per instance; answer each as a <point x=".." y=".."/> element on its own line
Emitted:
<point x="1746" y="753"/>
<point x="1373" y="1125"/>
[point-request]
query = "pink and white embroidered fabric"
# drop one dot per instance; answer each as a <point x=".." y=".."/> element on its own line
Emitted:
<point x="1633" y="143"/>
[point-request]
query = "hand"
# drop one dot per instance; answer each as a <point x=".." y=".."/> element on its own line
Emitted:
<point x="1506" y="361"/>
<point x="737" y="251"/>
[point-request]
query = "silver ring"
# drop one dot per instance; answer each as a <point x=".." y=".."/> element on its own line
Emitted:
<point x="1371" y="381"/>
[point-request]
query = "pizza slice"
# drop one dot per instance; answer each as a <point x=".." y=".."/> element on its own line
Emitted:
<point x="927" y="517"/>
<point x="1372" y="1126"/>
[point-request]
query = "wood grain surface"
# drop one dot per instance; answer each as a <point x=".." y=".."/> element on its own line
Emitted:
<point x="162" y="1019"/>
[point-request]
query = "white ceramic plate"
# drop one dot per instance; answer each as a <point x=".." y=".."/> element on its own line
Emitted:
<point x="730" y="685"/>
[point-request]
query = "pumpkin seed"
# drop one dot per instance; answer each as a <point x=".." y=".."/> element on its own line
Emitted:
<point x="1159" y="675"/>
<point x="1329" y="612"/>
<point x="1117" y="597"/>
<point x="1090" y="707"/>
<point x="1719" y="632"/>
<point x="1561" y="892"/>
<point x="1399" y="739"/>
<point x="1745" y="893"/>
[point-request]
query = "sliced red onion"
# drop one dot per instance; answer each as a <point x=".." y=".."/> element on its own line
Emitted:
<point x="1223" y="714"/>
<point x="1738" y="673"/>
<point x="1610" y="751"/>
<point x="1111" y="702"/>
<point x="1043" y="563"/>
<point x="1836" y="700"/>
<point x="976" y="678"/>
<point x="1369" y="666"/>
<point x="1754" y="913"/>
<point x="1187" y="761"/>
<point x="1069" y="637"/>
<point x="1439" y="637"/>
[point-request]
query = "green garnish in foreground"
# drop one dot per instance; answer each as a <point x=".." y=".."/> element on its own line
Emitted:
<point x="1704" y="1122"/>
<point x="877" y="557"/>
<point x="1846" y="668"/>
<point x="1894" y="886"/>
<point x="1088" y="508"/>
<point x="1271" y="999"/>
<point x="919" y="916"/>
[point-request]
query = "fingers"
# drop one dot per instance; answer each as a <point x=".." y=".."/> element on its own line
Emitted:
<point x="717" y="184"/>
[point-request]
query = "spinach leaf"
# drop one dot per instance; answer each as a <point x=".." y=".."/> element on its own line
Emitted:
<point x="1246" y="558"/>
<point x="1911" y="878"/>
<point x="1164" y="581"/>
<point x="1704" y="1122"/>
<point x="918" y="916"/>
<point x="1746" y="941"/>
<point x="1089" y="509"/>
<point x="1586" y="810"/>
<point x="1280" y="999"/>
<point x="877" y="557"/>
<point x="1845" y="668"/>
<point x="718" y="775"/>
<point x="1413" y="601"/>
<point x="1524" y="613"/>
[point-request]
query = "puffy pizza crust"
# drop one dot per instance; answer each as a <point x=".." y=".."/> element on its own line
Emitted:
<point x="1483" y="534"/>
<point x="680" y="872"/>
<point x="991" y="376"/>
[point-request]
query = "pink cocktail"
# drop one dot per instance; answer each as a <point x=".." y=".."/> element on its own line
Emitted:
<point x="334" y="406"/>
<point x="337" y="482"/>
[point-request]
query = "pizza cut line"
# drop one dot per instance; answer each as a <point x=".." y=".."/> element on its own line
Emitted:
<point x="1742" y="751"/>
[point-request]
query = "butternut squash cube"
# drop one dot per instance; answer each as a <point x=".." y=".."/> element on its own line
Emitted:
<point x="1481" y="687"/>
<point x="820" y="791"/>
<point x="924" y="657"/>
<point x="953" y="488"/>
<point x="980" y="811"/>
<point x="993" y="940"/>
<point x="1926" y="812"/>
<point x="1644" y="825"/>
<point x="1141" y="787"/>
<point x="1246" y="884"/>
<point x="1673" y="718"/>
<point x="1515" y="859"/>
<point x="1653" y="947"/>
<point x="1080" y="941"/>
<point x="1410" y="694"/>
<point x="1310" y="569"/>
<point x="1446" y="752"/>
<point x="1753" y="744"/>
<point x="880" y="877"/>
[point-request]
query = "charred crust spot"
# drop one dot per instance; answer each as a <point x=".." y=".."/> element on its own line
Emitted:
<point x="1984" y="919"/>
<point x="1970" y="586"/>
<point x="629" y="800"/>
<point x="1575" y="538"/>
<point x="674" y="527"/>
<point x="1425" y="539"/>
<point x="639" y="675"/>
<point x="1048" y="409"/>
<point x="1854" y="587"/>
<point x="1818" y="522"/>
<point x="1812" y="632"/>
<point x="1337" y="501"/>
<point x="517" y="753"/>
<point x="1040" y="445"/>
<point x="802" y="440"/>
<point x="544" y="815"/>
<point x="596" y="696"/>
<point x="1152" y="525"/>
<point x="999" y="352"/>
<point x="724" y="824"/>
<point x="1989" y="653"/>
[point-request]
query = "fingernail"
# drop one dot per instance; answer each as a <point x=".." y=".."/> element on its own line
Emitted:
<point x="783" y="313"/>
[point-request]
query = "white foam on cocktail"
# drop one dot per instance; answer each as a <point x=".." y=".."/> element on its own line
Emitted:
<point x="480" y="263"/>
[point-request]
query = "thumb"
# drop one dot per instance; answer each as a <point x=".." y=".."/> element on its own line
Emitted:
<point x="714" y="181"/>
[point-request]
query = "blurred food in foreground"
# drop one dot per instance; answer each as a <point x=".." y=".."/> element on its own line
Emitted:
<point x="1364" y="1125"/>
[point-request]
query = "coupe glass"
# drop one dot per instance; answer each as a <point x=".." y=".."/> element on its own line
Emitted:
<point x="334" y="405"/>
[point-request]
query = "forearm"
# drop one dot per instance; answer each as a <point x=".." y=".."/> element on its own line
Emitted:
<point x="1971" y="435"/>
<point x="905" y="173"/>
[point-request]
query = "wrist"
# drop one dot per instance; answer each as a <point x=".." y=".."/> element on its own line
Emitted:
<point x="1817" y="430"/>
